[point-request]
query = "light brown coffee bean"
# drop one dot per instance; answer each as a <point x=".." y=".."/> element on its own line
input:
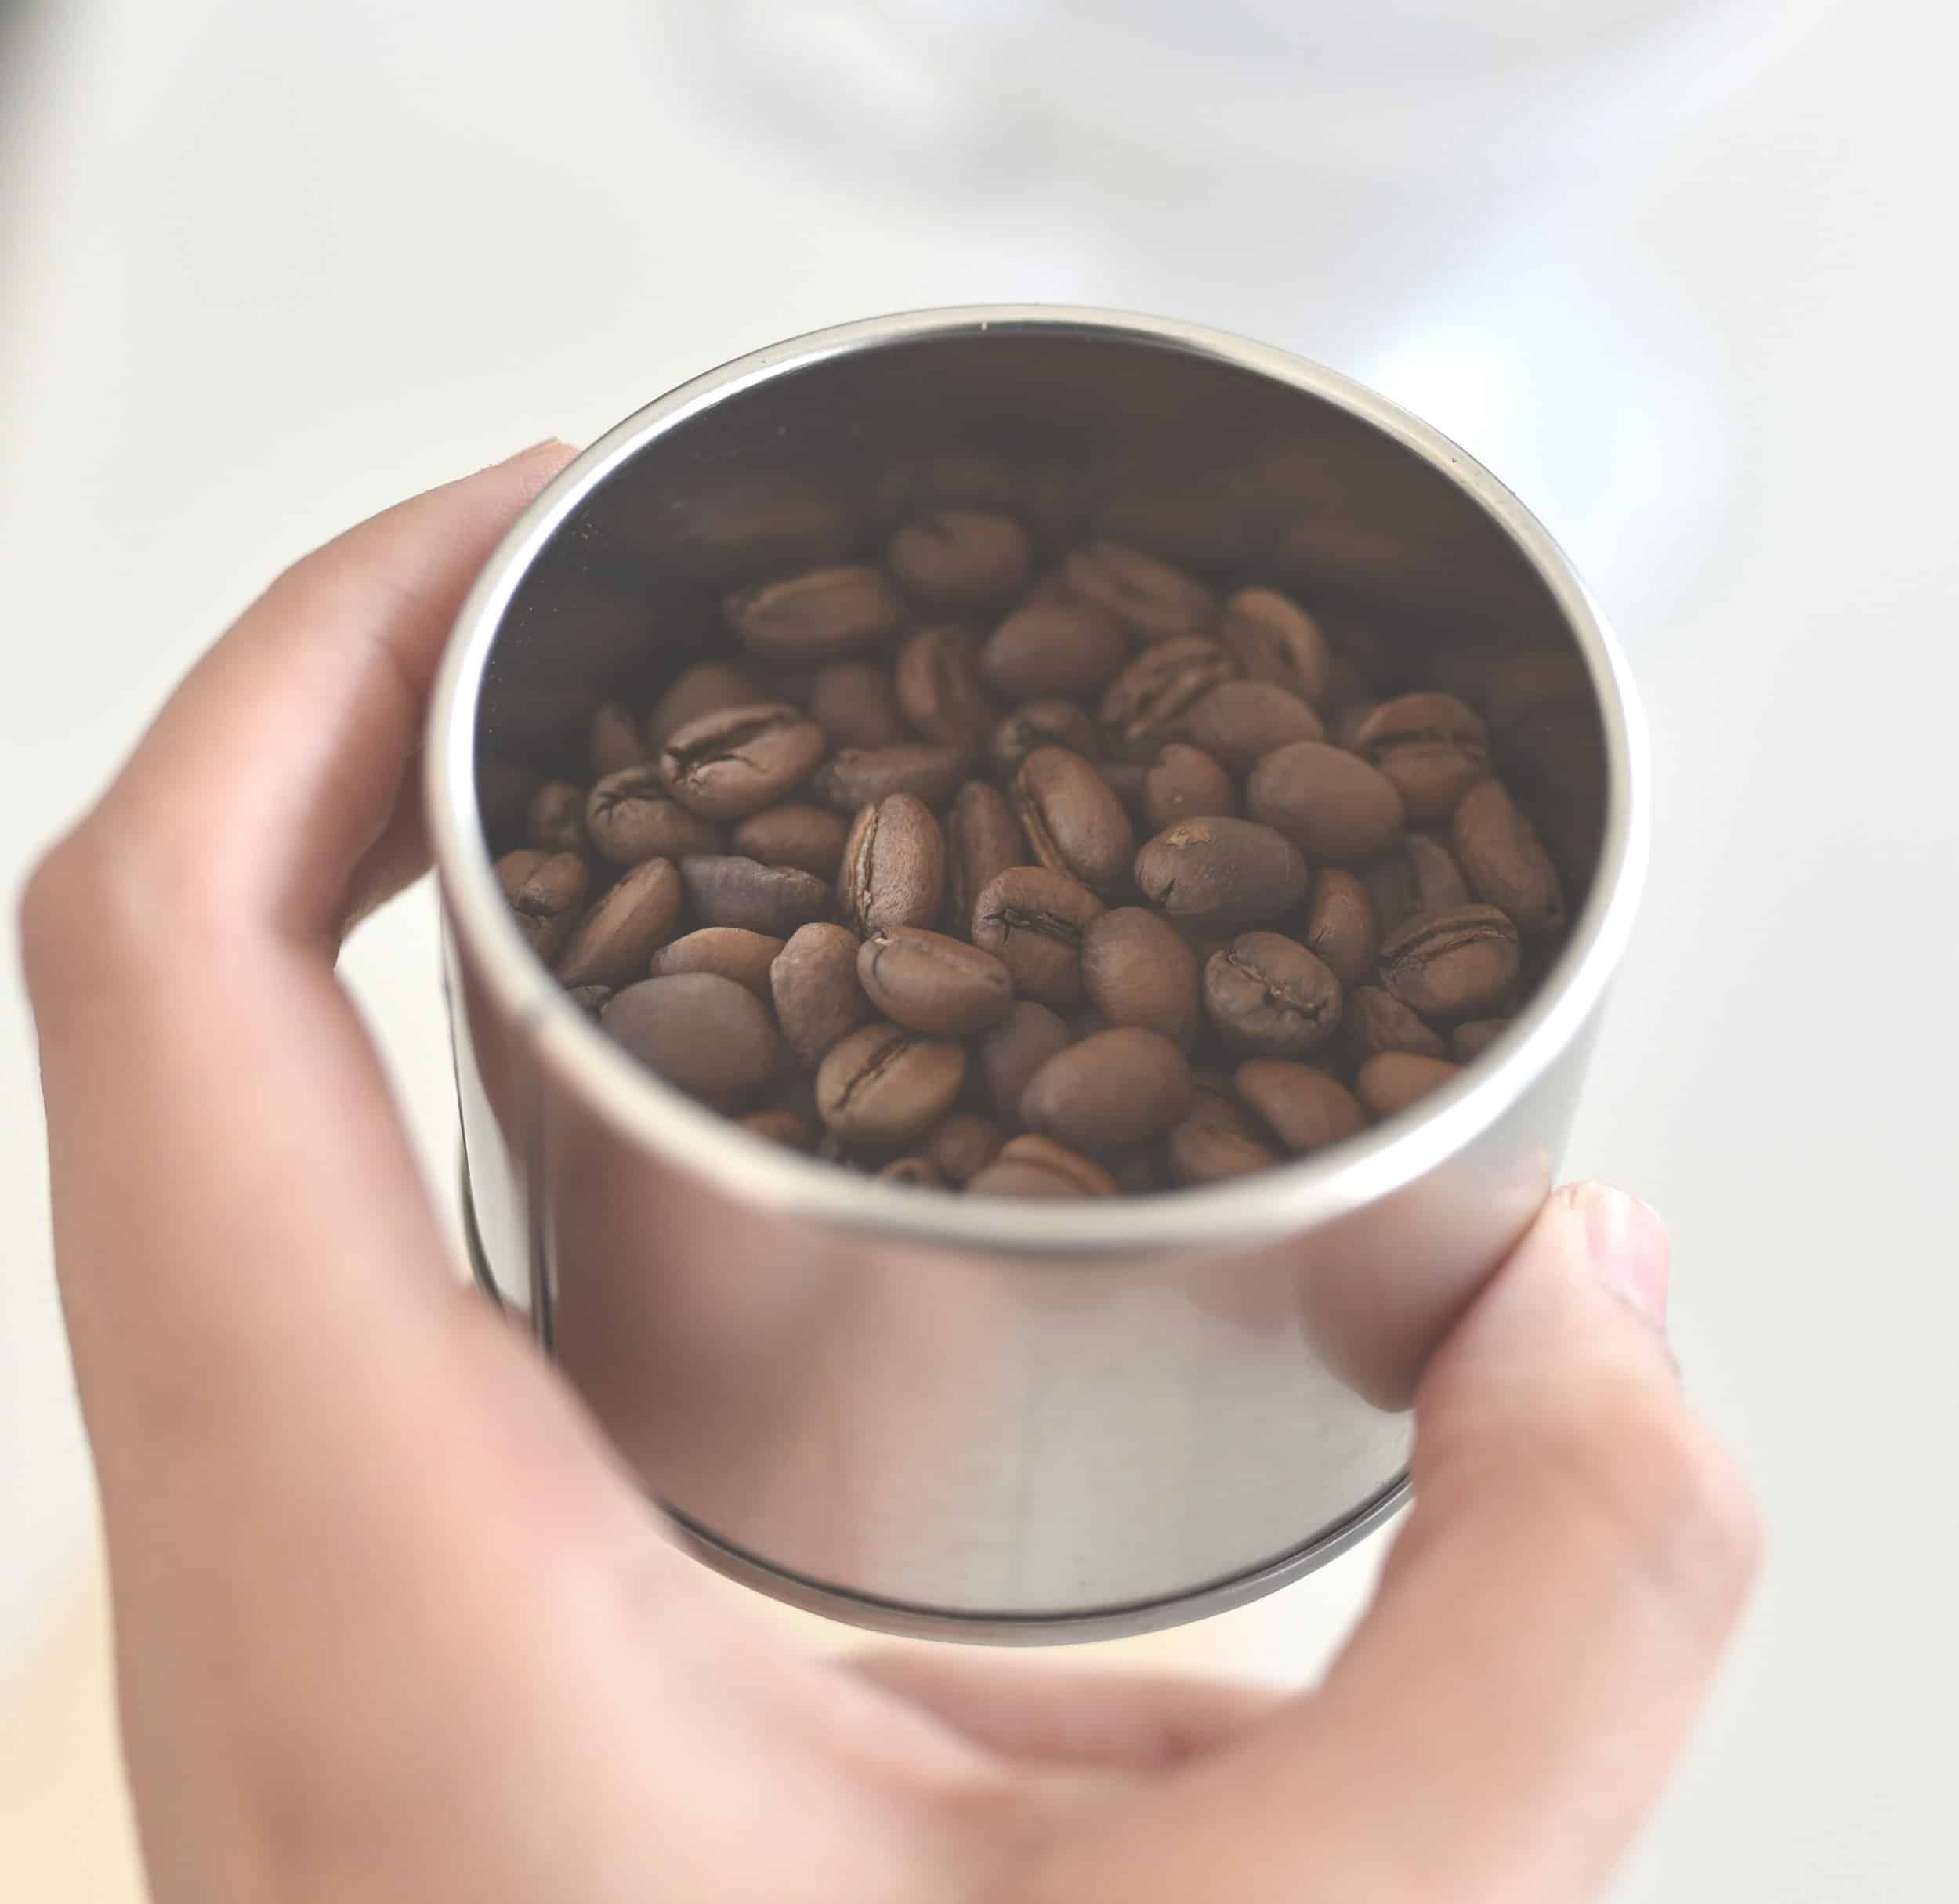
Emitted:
<point x="885" y="1085"/>
<point x="629" y="818"/>
<point x="1504" y="861"/>
<point x="1272" y="638"/>
<point x="956" y="558"/>
<point x="555" y="820"/>
<point x="1473" y="1038"/>
<point x="616" y="940"/>
<point x="1119" y="1088"/>
<point x="1185" y="783"/>
<point x="929" y="982"/>
<point x="1059" y="650"/>
<point x="1032" y="1166"/>
<point x="824" y="616"/>
<point x="1395" y="1080"/>
<point x="1145" y="705"/>
<point x="963" y="1144"/>
<point x="1136" y="971"/>
<point x="1155" y="601"/>
<point x="613" y="742"/>
<point x="726" y="889"/>
<point x="810" y="838"/>
<point x="1329" y="803"/>
<point x="1032" y="919"/>
<point x="1200" y="1153"/>
<point x="1433" y="747"/>
<point x="1221" y="873"/>
<point x="1039" y="723"/>
<point x="1269" y="997"/>
<point x="939" y="689"/>
<point x="919" y="1173"/>
<point x="516" y="866"/>
<point x="740" y="760"/>
<point x="1072" y="819"/>
<point x="791" y="1129"/>
<point x="1340" y="926"/>
<point x="1376" y="1021"/>
<point x="983" y="839"/>
<point x="858" y="777"/>
<point x="1016" y="1047"/>
<point x="856" y="705"/>
<point x="813" y="984"/>
<point x="1239" y="722"/>
<point x="1305" y="1109"/>
<point x="731" y="951"/>
<point x="894" y="870"/>
<point x="705" y="688"/>
<point x="1457" y="964"/>
<point x="704" y="1034"/>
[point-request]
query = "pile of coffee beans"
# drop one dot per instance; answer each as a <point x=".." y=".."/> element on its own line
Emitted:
<point x="1071" y="883"/>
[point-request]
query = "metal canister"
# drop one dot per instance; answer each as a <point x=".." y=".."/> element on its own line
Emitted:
<point x="974" y="1416"/>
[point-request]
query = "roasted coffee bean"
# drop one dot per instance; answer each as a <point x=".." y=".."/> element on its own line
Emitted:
<point x="1032" y="919"/>
<point x="960" y="558"/>
<point x="857" y="776"/>
<point x="740" y="760"/>
<point x="963" y="1144"/>
<point x="823" y="616"/>
<point x="1415" y="875"/>
<point x="1155" y="601"/>
<point x="1146" y="703"/>
<point x="1072" y="820"/>
<point x="813" y="983"/>
<point x="1376" y="1021"/>
<point x="1039" y="723"/>
<point x="731" y="951"/>
<point x="706" y="688"/>
<point x="1270" y="996"/>
<point x="726" y="889"/>
<point x="1272" y="638"/>
<point x="928" y="982"/>
<point x="1393" y="1081"/>
<point x="787" y="1128"/>
<point x="1305" y="1109"/>
<point x="705" y="1035"/>
<point x="939" y="689"/>
<point x="1044" y="649"/>
<point x="1121" y="1086"/>
<point x="1016" y="1047"/>
<point x="983" y="839"/>
<point x="1239" y="722"/>
<point x="515" y="867"/>
<point x="1200" y="1153"/>
<point x="1032" y="1166"/>
<point x="893" y="870"/>
<point x="1331" y="804"/>
<point x="616" y="940"/>
<point x="856" y="705"/>
<point x="555" y="820"/>
<point x="1504" y="861"/>
<point x="1221" y="873"/>
<point x="1136" y="971"/>
<point x="885" y="1085"/>
<point x="1433" y="747"/>
<point x="920" y="1173"/>
<point x="808" y="838"/>
<point x="590" y="999"/>
<point x="1340" y="926"/>
<point x="1215" y="1105"/>
<point x="1456" y="964"/>
<point x="1185" y="783"/>
<point x="629" y="818"/>
<point x="613" y="742"/>
<point x="1472" y="1039"/>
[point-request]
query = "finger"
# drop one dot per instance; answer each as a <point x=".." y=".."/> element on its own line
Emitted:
<point x="1577" y="1556"/>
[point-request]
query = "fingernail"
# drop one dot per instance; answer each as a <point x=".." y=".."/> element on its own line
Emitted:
<point x="1628" y="1243"/>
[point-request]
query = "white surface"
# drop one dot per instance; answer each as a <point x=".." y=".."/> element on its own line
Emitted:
<point x="275" y="266"/>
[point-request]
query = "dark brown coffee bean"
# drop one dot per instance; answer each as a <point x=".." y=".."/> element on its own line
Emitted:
<point x="1039" y="723"/>
<point x="1269" y="995"/>
<point x="885" y="1085"/>
<point x="823" y="616"/>
<point x="1014" y="1050"/>
<point x="791" y="1129"/>
<point x="629" y="818"/>
<point x="1376" y="1021"/>
<point x="929" y="982"/>
<point x="1504" y="861"/>
<point x="1221" y="873"/>
<point x="859" y="775"/>
<point x="939" y="689"/>
<point x="813" y="983"/>
<point x="1473" y="1038"/>
<point x="1456" y="964"/>
<point x="1395" y="1080"/>
<point x="590" y="999"/>
<point x="1340" y="926"/>
<point x="963" y="1144"/>
<point x="1121" y="1086"/>
<point x="740" y="760"/>
<point x="613" y="743"/>
<point x="515" y="867"/>
<point x="1329" y="803"/>
<point x="1032" y="919"/>
<point x="894" y="870"/>
<point x="960" y="558"/>
<point x="1239" y="722"/>
<point x="1305" y="1109"/>
<point x="1074" y="822"/>
<point x="1136" y="971"/>
<point x="1061" y="650"/>
<point x="856" y="705"/>
<point x="1272" y="638"/>
<point x="1185" y="783"/>
<point x="616" y="940"/>
<point x="732" y="951"/>
<point x="555" y="820"/>
<point x="983" y="839"/>
<point x="1145" y="704"/>
<point x="705" y="1035"/>
<point x="808" y="838"/>
<point x="1200" y="1153"/>
<point x="1433" y="747"/>
<point x="706" y="688"/>
<point x="1153" y="600"/>
<point x="726" y="889"/>
<point x="918" y="1173"/>
<point x="1032" y="1166"/>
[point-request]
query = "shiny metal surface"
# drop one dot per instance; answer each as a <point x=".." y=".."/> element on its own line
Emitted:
<point x="912" y="1409"/>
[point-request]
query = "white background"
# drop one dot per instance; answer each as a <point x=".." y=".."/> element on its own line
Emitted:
<point x="262" y="269"/>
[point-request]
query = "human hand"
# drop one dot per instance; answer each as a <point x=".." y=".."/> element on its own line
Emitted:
<point x="393" y="1624"/>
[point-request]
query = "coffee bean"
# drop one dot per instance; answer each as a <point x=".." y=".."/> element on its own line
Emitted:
<point x="1433" y="747"/>
<point x="1415" y="875"/>
<point x="740" y="760"/>
<point x="929" y="982"/>
<point x="1473" y="1038"/>
<point x="1221" y="873"/>
<point x="1272" y="638"/>
<point x="1215" y="1105"/>
<point x="810" y="838"/>
<point x="1032" y="919"/>
<point x="1504" y="861"/>
<point x="885" y="1085"/>
<point x="960" y="558"/>
<point x="1395" y="1080"/>
<point x="1145" y="704"/>
<point x="1032" y="1166"/>
<point x="1185" y="783"/>
<point x="1305" y="1108"/>
<point x="1121" y="1086"/>
<point x="590" y="999"/>
<point x="514" y="870"/>
<point x="629" y="818"/>
<point x="813" y="983"/>
<point x="1376" y="1021"/>
<point x="893" y="870"/>
<point x="726" y="889"/>
<point x="856" y="705"/>
<point x="1072" y="820"/>
<point x="1062" y="649"/>
<point x="1456" y="964"/>
<point x="1155" y="601"/>
<point x="731" y="951"/>
<point x="1136" y="971"/>
<point x="963" y="1144"/>
<point x="983" y="839"/>
<point x="704" y="1034"/>
<point x="857" y="776"/>
<point x="1039" y="723"/>
<point x="1329" y="803"/>
<point x="1239" y="722"/>
<point x="1340" y="926"/>
<point x="1270" y="996"/>
<point x="707" y="687"/>
<point x="786" y="1127"/>
<point x="613" y="742"/>
<point x="1016" y="1047"/>
<point x="616" y="940"/>
<point x="823" y="616"/>
<point x="1200" y="1153"/>
<point x="555" y="820"/>
<point x="919" y="1173"/>
<point x="939" y="689"/>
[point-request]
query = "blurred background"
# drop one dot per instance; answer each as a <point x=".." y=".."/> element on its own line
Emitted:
<point x="1672" y="267"/>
